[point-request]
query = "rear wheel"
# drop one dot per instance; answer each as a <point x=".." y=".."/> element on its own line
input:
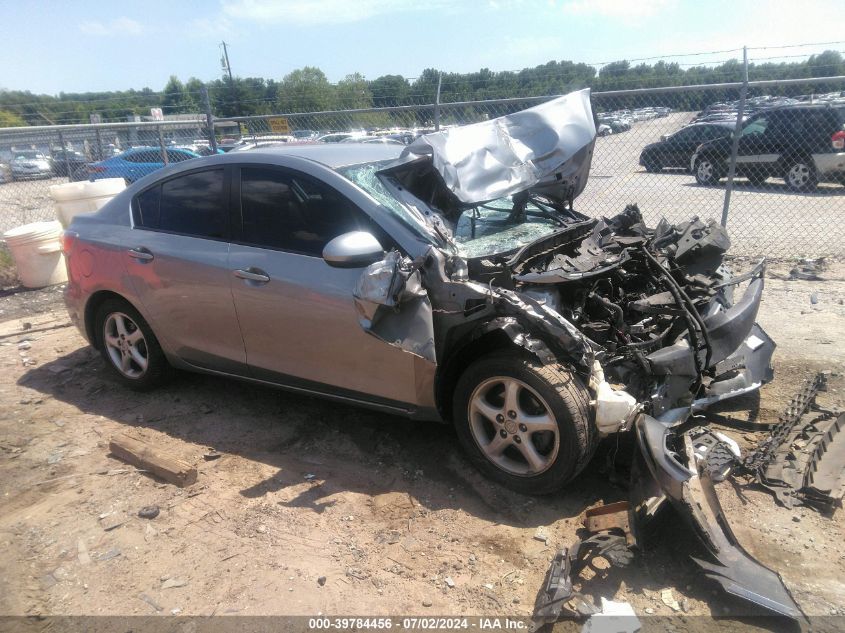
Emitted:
<point x="706" y="172"/>
<point x="129" y="346"/>
<point x="524" y="424"/>
<point x="801" y="175"/>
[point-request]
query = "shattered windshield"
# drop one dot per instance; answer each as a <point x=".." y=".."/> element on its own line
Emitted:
<point x="499" y="226"/>
<point x="364" y="176"/>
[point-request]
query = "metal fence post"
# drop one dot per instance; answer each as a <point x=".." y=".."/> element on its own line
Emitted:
<point x="437" y="104"/>
<point x="64" y="154"/>
<point x="209" y="119"/>
<point x="743" y="94"/>
<point x="161" y="146"/>
<point x="99" y="144"/>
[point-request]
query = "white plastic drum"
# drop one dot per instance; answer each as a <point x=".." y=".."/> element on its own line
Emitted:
<point x="73" y="198"/>
<point x="37" y="251"/>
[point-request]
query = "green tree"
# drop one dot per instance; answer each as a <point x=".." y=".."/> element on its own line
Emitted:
<point x="305" y="90"/>
<point x="353" y="92"/>
<point x="10" y="119"/>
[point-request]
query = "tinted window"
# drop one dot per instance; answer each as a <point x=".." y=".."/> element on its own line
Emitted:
<point x="757" y="126"/>
<point x="147" y="208"/>
<point x="194" y="205"/>
<point x="717" y="131"/>
<point x="685" y="136"/>
<point x="289" y="211"/>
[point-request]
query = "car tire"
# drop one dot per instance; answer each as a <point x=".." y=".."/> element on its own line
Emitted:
<point x="524" y="424"/>
<point x="706" y="171"/>
<point x="129" y="347"/>
<point x="801" y="175"/>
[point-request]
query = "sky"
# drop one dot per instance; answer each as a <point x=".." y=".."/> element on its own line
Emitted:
<point x="51" y="47"/>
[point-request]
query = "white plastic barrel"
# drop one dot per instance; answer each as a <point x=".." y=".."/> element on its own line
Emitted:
<point x="37" y="252"/>
<point x="73" y="198"/>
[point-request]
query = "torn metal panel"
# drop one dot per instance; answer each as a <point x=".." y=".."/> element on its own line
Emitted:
<point x="393" y="306"/>
<point x="547" y="148"/>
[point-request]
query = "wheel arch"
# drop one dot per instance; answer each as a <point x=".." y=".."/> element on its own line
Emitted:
<point x="500" y="334"/>
<point x="93" y="305"/>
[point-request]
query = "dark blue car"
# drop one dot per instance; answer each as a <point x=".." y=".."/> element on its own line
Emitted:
<point x="137" y="162"/>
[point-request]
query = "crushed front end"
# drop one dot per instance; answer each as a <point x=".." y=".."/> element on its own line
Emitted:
<point x="651" y="318"/>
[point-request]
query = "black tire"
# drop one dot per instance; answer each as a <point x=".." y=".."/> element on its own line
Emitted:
<point x="157" y="369"/>
<point x="568" y="401"/>
<point x="707" y="171"/>
<point x="800" y="175"/>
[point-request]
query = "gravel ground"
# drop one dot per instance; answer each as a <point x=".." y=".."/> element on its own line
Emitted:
<point x="383" y="508"/>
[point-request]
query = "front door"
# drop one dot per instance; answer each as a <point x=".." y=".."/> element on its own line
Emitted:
<point x="297" y="313"/>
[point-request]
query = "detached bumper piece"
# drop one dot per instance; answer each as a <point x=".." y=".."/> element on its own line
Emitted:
<point x="803" y="459"/>
<point x="612" y="541"/>
<point x="669" y="456"/>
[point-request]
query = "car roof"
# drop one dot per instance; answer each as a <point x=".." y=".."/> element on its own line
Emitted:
<point x="333" y="155"/>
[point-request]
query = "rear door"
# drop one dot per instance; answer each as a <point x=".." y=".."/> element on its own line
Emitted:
<point x="297" y="314"/>
<point x="178" y="264"/>
<point x="755" y="152"/>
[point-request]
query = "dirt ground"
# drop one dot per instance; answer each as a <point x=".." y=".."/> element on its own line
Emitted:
<point x="294" y="490"/>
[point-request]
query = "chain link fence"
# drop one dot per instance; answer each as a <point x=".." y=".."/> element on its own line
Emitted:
<point x="786" y="199"/>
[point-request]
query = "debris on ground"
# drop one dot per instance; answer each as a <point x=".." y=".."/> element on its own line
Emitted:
<point x="614" y="617"/>
<point x="149" y="512"/>
<point x="808" y="270"/>
<point x="803" y="459"/>
<point x="144" y="455"/>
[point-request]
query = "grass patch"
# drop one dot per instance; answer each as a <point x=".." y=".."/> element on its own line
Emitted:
<point x="8" y="270"/>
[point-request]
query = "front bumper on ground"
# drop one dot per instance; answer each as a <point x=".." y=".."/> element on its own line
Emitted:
<point x="666" y="470"/>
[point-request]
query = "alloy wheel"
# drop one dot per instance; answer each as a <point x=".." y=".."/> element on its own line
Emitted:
<point x="125" y="345"/>
<point x="513" y="426"/>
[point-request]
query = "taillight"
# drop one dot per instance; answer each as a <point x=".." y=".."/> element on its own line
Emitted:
<point x="68" y="241"/>
<point x="95" y="169"/>
<point x="838" y="140"/>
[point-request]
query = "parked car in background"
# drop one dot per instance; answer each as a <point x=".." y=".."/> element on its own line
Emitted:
<point x="675" y="150"/>
<point x="337" y="137"/>
<point x="136" y="163"/>
<point x="604" y="129"/>
<point x="69" y="163"/>
<point x="802" y="144"/>
<point x="305" y="135"/>
<point x="384" y="140"/>
<point x="30" y="163"/>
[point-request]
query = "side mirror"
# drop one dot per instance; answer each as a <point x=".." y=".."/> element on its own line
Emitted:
<point x="353" y="250"/>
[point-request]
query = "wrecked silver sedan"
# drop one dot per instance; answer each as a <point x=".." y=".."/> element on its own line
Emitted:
<point x="451" y="280"/>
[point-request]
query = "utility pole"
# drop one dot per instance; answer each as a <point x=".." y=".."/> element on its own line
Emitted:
<point x="437" y="104"/>
<point x="228" y="68"/>
<point x="209" y="119"/>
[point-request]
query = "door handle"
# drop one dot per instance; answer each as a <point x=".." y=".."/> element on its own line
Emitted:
<point x="252" y="274"/>
<point x="141" y="254"/>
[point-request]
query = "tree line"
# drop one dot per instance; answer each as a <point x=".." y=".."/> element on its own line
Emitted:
<point x="309" y="90"/>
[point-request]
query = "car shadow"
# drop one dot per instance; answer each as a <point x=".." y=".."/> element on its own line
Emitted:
<point x="334" y="446"/>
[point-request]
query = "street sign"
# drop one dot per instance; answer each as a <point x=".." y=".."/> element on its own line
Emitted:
<point x="279" y="125"/>
<point x="157" y="114"/>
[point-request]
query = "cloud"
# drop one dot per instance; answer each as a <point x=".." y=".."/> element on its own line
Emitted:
<point x="318" y="12"/>
<point x="620" y="9"/>
<point x="112" y="28"/>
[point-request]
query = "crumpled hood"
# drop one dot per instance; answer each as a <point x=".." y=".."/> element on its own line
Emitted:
<point x="547" y="149"/>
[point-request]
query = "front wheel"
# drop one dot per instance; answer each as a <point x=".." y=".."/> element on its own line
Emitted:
<point x="129" y="346"/>
<point x="523" y="424"/>
<point x="706" y="172"/>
